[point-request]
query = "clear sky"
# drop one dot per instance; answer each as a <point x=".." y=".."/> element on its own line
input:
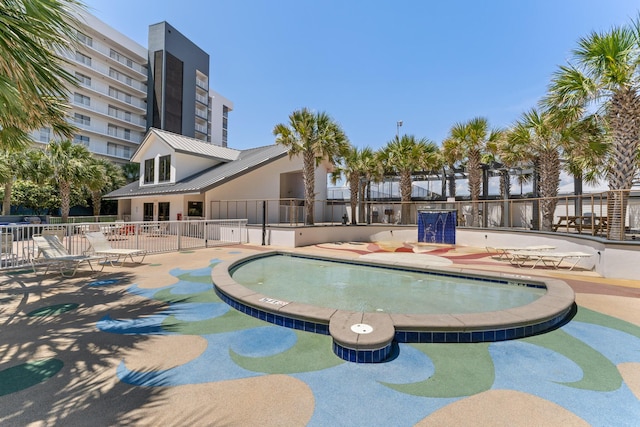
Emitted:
<point x="371" y="63"/>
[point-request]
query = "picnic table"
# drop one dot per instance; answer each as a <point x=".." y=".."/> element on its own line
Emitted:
<point x="595" y="223"/>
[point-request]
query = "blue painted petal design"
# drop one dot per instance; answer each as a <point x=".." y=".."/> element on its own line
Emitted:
<point x="105" y="282"/>
<point x="538" y="371"/>
<point x="617" y="346"/>
<point x="214" y="364"/>
<point x="353" y="391"/>
<point x="187" y="288"/>
<point x="196" y="311"/>
<point x="145" y="325"/>
<point x="262" y="342"/>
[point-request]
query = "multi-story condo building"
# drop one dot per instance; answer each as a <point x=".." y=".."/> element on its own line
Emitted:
<point x="124" y="89"/>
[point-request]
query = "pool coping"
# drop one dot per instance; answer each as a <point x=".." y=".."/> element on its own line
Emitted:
<point x="538" y="316"/>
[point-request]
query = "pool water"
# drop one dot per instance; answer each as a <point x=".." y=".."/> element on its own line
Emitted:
<point x="364" y="288"/>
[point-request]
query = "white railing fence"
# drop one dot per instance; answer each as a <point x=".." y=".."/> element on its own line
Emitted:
<point x="570" y="214"/>
<point x="154" y="237"/>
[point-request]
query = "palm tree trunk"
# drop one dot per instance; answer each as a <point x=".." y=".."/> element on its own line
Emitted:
<point x="549" y="183"/>
<point x="6" y="202"/>
<point x="354" y="186"/>
<point x="474" y="172"/>
<point x="505" y="193"/>
<point x="405" y="197"/>
<point x="96" y="200"/>
<point x="361" y="202"/>
<point x="309" y="165"/>
<point x="65" y="200"/>
<point x="623" y="116"/>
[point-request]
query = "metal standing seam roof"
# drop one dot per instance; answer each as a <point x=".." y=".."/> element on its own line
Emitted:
<point x="184" y="144"/>
<point x="246" y="161"/>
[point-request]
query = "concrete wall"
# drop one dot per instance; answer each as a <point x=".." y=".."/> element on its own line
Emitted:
<point x="611" y="260"/>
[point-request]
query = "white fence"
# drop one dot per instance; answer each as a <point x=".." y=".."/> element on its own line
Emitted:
<point x="154" y="237"/>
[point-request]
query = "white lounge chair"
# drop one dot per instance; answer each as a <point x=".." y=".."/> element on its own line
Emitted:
<point x="51" y="252"/>
<point x="101" y="246"/>
<point x="548" y="258"/>
<point x="504" y="251"/>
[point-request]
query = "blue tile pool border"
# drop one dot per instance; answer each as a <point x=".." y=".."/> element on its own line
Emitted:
<point x="554" y="312"/>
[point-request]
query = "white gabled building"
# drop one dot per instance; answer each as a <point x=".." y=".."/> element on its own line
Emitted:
<point x="109" y="105"/>
<point x="182" y="177"/>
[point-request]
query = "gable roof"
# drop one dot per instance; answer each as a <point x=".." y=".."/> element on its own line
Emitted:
<point x="246" y="161"/>
<point x="187" y="145"/>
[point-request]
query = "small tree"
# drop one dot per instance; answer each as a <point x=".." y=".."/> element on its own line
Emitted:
<point x="404" y="156"/>
<point x="317" y="138"/>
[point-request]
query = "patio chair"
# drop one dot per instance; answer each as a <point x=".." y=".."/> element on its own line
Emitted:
<point x="51" y="252"/>
<point x="100" y="246"/>
<point x="158" y="230"/>
<point x="548" y="258"/>
<point x="7" y="256"/>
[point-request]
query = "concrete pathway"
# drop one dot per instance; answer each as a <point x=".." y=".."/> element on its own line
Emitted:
<point x="152" y="344"/>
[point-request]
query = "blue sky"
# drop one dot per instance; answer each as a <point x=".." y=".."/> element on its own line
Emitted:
<point x="371" y="63"/>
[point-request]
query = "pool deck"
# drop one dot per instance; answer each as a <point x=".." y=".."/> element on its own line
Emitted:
<point x="151" y="344"/>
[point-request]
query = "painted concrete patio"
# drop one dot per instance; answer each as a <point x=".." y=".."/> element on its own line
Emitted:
<point x="152" y="344"/>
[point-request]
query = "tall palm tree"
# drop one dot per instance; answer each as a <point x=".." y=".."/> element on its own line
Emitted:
<point x="471" y="139"/>
<point x="605" y="70"/>
<point x="405" y="156"/>
<point x="372" y="171"/>
<point x="65" y="165"/>
<point x="33" y="93"/>
<point x="102" y="176"/>
<point x="131" y="171"/>
<point x="317" y="138"/>
<point x="452" y="155"/>
<point x="353" y="167"/>
<point x="539" y="139"/>
<point x="13" y="165"/>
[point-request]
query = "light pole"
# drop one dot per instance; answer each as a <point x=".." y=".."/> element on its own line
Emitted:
<point x="398" y="125"/>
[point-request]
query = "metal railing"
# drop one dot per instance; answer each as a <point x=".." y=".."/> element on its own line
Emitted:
<point x="569" y="214"/>
<point x="153" y="237"/>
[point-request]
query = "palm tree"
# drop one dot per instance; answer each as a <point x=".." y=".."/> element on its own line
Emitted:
<point x="12" y="167"/>
<point x="33" y="92"/>
<point x="451" y="155"/>
<point x="404" y="156"/>
<point x="605" y="70"/>
<point x="317" y="138"/>
<point x="371" y="171"/>
<point x="131" y="171"/>
<point x="65" y="165"/>
<point x="471" y="139"/>
<point x="354" y="168"/>
<point x="102" y="176"/>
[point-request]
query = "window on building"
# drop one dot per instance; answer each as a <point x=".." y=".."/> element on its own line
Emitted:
<point x="81" y="57"/>
<point x="82" y="79"/>
<point x="79" y="98"/>
<point x="81" y="139"/>
<point x="195" y="209"/>
<point x="120" y="76"/>
<point x="163" y="211"/>
<point x="122" y="96"/>
<point x="164" y="169"/>
<point x="149" y="171"/>
<point x="84" y="39"/>
<point x="81" y="119"/>
<point x="147" y="212"/>
<point x="45" y="135"/>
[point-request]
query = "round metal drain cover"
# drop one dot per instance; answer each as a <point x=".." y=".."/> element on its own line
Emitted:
<point x="361" y="328"/>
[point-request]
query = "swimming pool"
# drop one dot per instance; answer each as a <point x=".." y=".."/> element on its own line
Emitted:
<point x="367" y="335"/>
<point x="366" y="288"/>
